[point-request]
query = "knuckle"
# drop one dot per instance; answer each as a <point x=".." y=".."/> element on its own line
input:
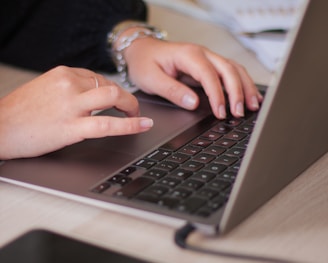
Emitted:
<point x="66" y="83"/>
<point x="191" y="48"/>
<point x="113" y="126"/>
<point x="129" y="127"/>
<point x="229" y="66"/>
<point x="101" y="125"/>
<point x="172" y="91"/>
<point x="64" y="77"/>
<point x="114" y="92"/>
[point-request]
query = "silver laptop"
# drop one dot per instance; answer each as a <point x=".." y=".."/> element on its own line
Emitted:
<point x="182" y="172"/>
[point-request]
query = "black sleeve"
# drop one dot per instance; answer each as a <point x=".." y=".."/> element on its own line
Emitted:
<point x="40" y="34"/>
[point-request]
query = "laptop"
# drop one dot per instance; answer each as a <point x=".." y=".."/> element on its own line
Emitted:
<point x="182" y="172"/>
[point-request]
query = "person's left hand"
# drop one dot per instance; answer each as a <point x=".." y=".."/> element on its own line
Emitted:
<point x="156" y="67"/>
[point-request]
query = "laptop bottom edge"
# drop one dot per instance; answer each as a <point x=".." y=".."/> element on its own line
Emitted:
<point x="170" y="221"/>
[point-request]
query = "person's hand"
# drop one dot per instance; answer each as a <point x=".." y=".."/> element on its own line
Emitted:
<point x="157" y="66"/>
<point x="54" y="110"/>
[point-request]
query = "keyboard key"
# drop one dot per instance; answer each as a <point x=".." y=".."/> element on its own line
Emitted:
<point x="251" y="119"/>
<point x="178" y="158"/>
<point x="235" y="135"/>
<point x="226" y="160"/>
<point x="243" y="144"/>
<point x="192" y="184"/>
<point x="211" y="135"/>
<point x="221" y="128"/>
<point x="245" y="128"/>
<point x="226" y="143"/>
<point x="102" y="187"/>
<point x="166" y="165"/>
<point x="169" y="202"/>
<point x="129" y="170"/>
<point x="218" y="185"/>
<point x="203" y="176"/>
<point x="134" y="187"/>
<point x="147" y="198"/>
<point x="191" y="204"/>
<point x="158" y="155"/>
<point x="211" y="207"/>
<point x="155" y="173"/>
<point x="145" y="163"/>
<point x="235" y="167"/>
<point x="204" y="158"/>
<point x="192" y="166"/>
<point x="214" y="150"/>
<point x="119" y="179"/>
<point x="233" y="122"/>
<point x="216" y="203"/>
<point x="236" y="152"/>
<point x="170" y="181"/>
<point x="207" y="193"/>
<point x="190" y="150"/>
<point x="203" y="212"/>
<point x="180" y="193"/>
<point x="181" y="174"/>
<point x="226" y="192"/>
<point x="227" y="175"/>
<point x="157" y="190"/>
<point x="201" y="142"/>
<point x="216" y="168"/>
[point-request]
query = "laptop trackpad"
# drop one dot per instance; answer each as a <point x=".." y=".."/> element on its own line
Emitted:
<point x="169" y="120"/>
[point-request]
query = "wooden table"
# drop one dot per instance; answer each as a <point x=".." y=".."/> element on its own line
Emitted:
<point x="292" y="225"/>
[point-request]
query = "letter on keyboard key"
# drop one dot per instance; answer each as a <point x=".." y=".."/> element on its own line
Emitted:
<point x="134" y="187"/>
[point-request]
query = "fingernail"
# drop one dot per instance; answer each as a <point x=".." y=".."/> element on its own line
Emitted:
<point x="146" y="123"/>
<point x="240" y="109"/>
<point x="254" y="103"/>
<point x="222" y="112"/>
<point x="188" y="101"/>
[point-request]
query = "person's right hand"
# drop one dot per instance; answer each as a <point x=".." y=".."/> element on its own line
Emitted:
<point x="55" y="110"/>
<point x="159" y="67"/>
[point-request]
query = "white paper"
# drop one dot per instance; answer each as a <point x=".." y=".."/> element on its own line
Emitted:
<point x="254" y="16"/>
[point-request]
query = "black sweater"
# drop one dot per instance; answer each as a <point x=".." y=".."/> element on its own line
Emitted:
<point x="40" y="34"/>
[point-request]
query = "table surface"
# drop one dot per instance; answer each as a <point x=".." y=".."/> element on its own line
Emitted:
<point x="291" y="225"/>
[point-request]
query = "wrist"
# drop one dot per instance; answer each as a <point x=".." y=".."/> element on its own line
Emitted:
<point x="122" y="37"/>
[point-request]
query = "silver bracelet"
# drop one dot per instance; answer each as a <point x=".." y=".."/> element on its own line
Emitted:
<point x="125" y="42"/>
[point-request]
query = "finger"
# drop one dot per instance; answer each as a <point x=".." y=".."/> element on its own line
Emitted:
<point x="253" y="97"/>
<point x="178" y="93"/>
<point x="107" y="97"/>
<point x="101" y="126"/>
<point x="232" y="82"/>
<point x="89" y="79"/>
<point x="206" y="74"/>
<point x="171" y="89"/>
<point x="95" y="80"/>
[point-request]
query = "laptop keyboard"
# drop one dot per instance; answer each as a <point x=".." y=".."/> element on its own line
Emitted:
<point x="193" y="173"/>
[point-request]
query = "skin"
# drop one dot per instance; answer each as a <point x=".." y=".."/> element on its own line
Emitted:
<point x="164" y="62"/>
<point x="55" y="109"/>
